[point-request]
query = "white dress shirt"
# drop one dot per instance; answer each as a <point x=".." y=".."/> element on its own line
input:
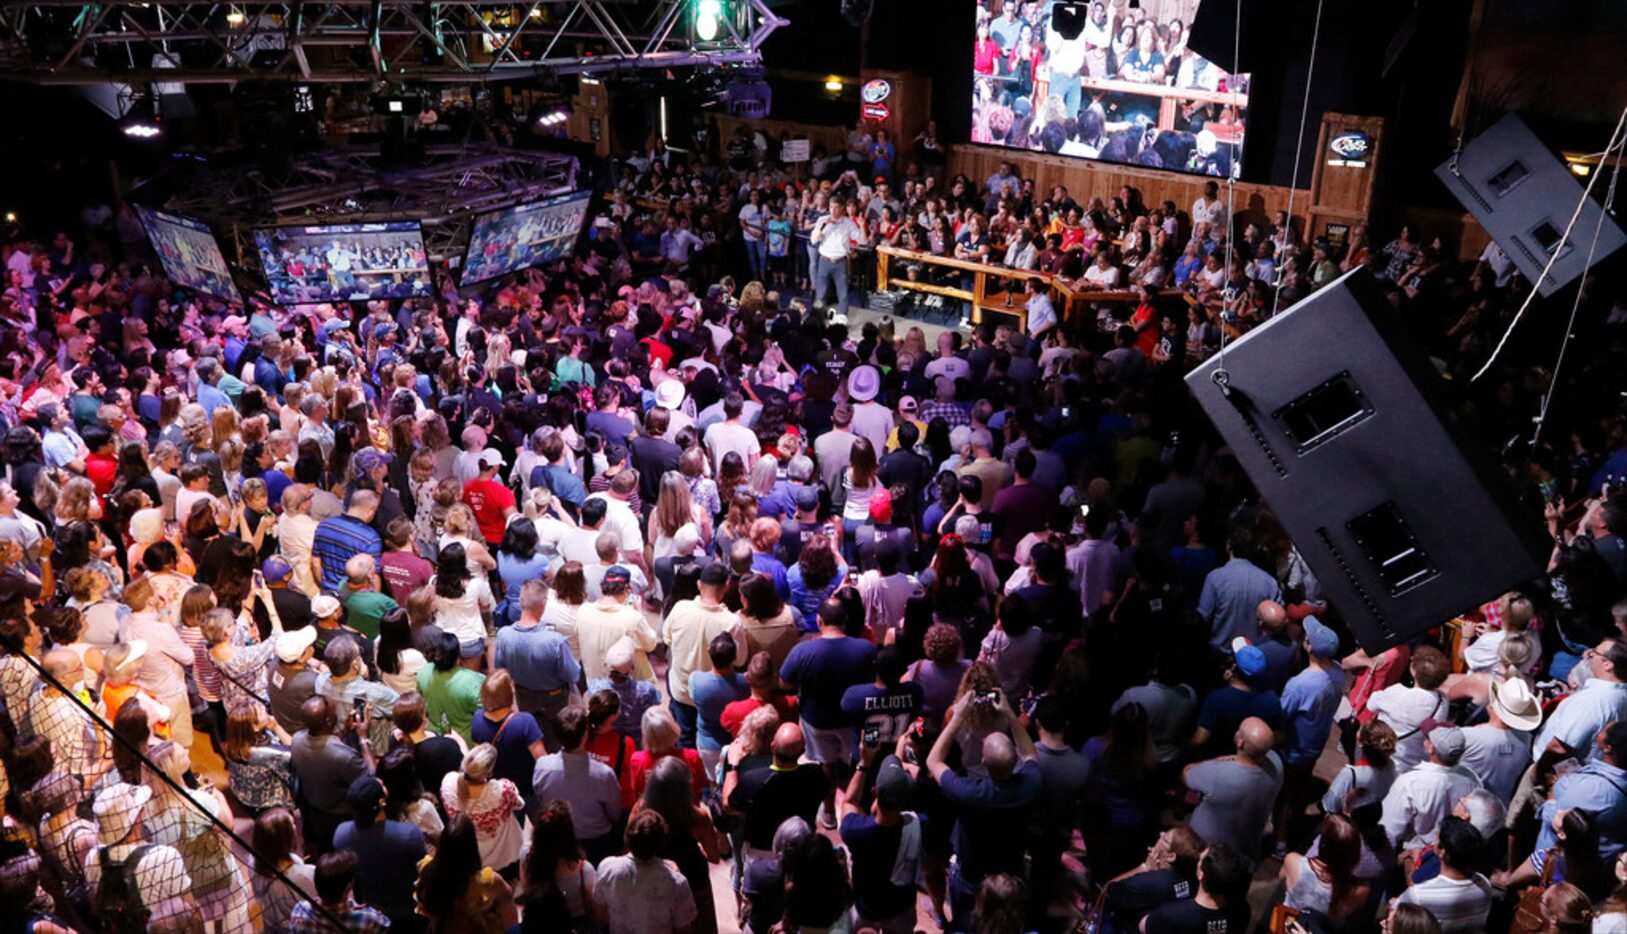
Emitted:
<point x="1422" y="798"/>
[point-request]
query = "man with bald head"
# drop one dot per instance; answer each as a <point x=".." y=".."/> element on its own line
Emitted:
<point x="991" y="810"/>
<point x="1277" y="642"/>
<point x="342" y="537"/>
<point x="787" y="788"/>
<point x="1238" y="790"/>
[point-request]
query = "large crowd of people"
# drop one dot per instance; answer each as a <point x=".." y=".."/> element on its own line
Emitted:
<point x="631" y="594"/>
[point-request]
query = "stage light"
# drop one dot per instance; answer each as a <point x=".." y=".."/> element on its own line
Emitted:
<point x="708" y="17"/>
<point x="833" y="85"/>
<point x="141" y="129"/>
<point x="1581" y="169"/>
<point x="553" y="118"/>
<point x="236" y="17"/>
<point x="11" y="217"/>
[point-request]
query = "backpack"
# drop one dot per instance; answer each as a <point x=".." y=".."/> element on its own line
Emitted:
<point x="118" y="899"/>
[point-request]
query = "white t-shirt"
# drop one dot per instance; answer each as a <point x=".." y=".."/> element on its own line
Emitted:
<point x="460" y="616"/>
<point x="952" y="367"/>
<point x="1459" y="905"/>
<point x="752" y="215"/>
<point x="1208" y="212"/>
<point x="620" y="517"/>
<point x="723" y="437"/>
<point x="1105" y="278"/>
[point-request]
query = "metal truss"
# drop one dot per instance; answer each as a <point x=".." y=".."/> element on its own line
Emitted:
<point x="71" y="42"/>
<point x="352" y="186"/>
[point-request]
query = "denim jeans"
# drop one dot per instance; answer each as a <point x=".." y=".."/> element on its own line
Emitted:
<point x="757" y="257"/>
<point x="835" y="270"/>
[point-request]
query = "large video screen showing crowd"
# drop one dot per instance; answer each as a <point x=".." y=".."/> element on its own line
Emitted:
<point x="351" y="262"/>
<point x="1113" y="81"/>
<point x="189" y="253"/>
<point x="525" y="235"/>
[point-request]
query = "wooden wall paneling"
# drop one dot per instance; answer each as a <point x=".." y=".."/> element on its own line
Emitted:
<point x="1252" y="203"/>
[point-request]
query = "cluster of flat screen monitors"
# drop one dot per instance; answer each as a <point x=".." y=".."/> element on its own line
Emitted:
<point x="360" y="262"/>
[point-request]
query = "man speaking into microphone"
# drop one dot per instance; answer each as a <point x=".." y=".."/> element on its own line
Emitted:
<point x="833" y="238"/>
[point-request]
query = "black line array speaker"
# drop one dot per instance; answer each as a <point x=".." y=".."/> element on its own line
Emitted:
<point x="1341" y="422"/>
<point x="1524" y="195"/>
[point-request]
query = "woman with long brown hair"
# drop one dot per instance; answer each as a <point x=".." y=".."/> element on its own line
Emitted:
<point x="853" y="494"/>
<point x="568" y="592"/>
<point x="737" y="524"/>
<point x="674" y="509"/>
<point x="1327" y="882"/>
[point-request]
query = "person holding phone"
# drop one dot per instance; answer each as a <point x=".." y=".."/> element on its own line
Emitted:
<point x="990" y="806"/>
<point x="884" y="708"/>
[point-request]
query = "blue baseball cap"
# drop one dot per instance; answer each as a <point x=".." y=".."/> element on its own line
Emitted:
<point x="1250" y="661"/>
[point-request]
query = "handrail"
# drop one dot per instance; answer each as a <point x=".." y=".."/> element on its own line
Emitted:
<point x="983" y="274"/>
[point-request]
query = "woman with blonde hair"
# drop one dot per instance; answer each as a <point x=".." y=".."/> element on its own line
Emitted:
<point x="288" y="417"/>
<point x="179" y="817"/>
<point x="660" y="735"/>
<point x="78" y="502"/>
<point x="489" y="803"/>
<point x="460" y="528"/>
<point x="195" y="430"/>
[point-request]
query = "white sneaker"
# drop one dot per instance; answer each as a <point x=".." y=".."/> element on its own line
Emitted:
<point x="827" y="820"/>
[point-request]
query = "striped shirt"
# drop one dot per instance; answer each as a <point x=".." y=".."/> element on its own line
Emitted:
<point x="338" y="539"/>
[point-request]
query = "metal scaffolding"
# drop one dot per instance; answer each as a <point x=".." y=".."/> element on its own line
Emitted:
<point x="71" y="42"/>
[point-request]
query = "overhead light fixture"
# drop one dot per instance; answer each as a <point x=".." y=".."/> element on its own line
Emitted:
<point x="236" y="17"/>
<point x="833" y="85"/>
<point x="1581" y="169"/>
<point x="11" y="217"/>
<point x="708" y="16"/>
<point x="141" y="129"/>
<point x="553" y="118"/>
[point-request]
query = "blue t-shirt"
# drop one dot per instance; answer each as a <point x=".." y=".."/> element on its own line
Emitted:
<point x="1280" y="658"/>
<point x="822" y="670"/>
<point x="564" y="484"/>
<point x="388" y="852"/>
<point x="712" y="692"/>
<point x="1309" y="702"/>
<point x="514" y="760"/>
<point x="1227" y="707"/>
<point x="875" y="849"/>
<point x="515" y="573"/>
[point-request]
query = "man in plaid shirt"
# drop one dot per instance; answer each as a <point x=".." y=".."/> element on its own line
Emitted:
<point x="338" y="912"/>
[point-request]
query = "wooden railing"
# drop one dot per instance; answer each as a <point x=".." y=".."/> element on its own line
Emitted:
<point x="996" y="289"/>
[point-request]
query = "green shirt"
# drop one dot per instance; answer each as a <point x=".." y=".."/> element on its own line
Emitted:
<point x="83" y="408"/>
<point x="363" y="609"/>
<point x="450" y="698"/>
